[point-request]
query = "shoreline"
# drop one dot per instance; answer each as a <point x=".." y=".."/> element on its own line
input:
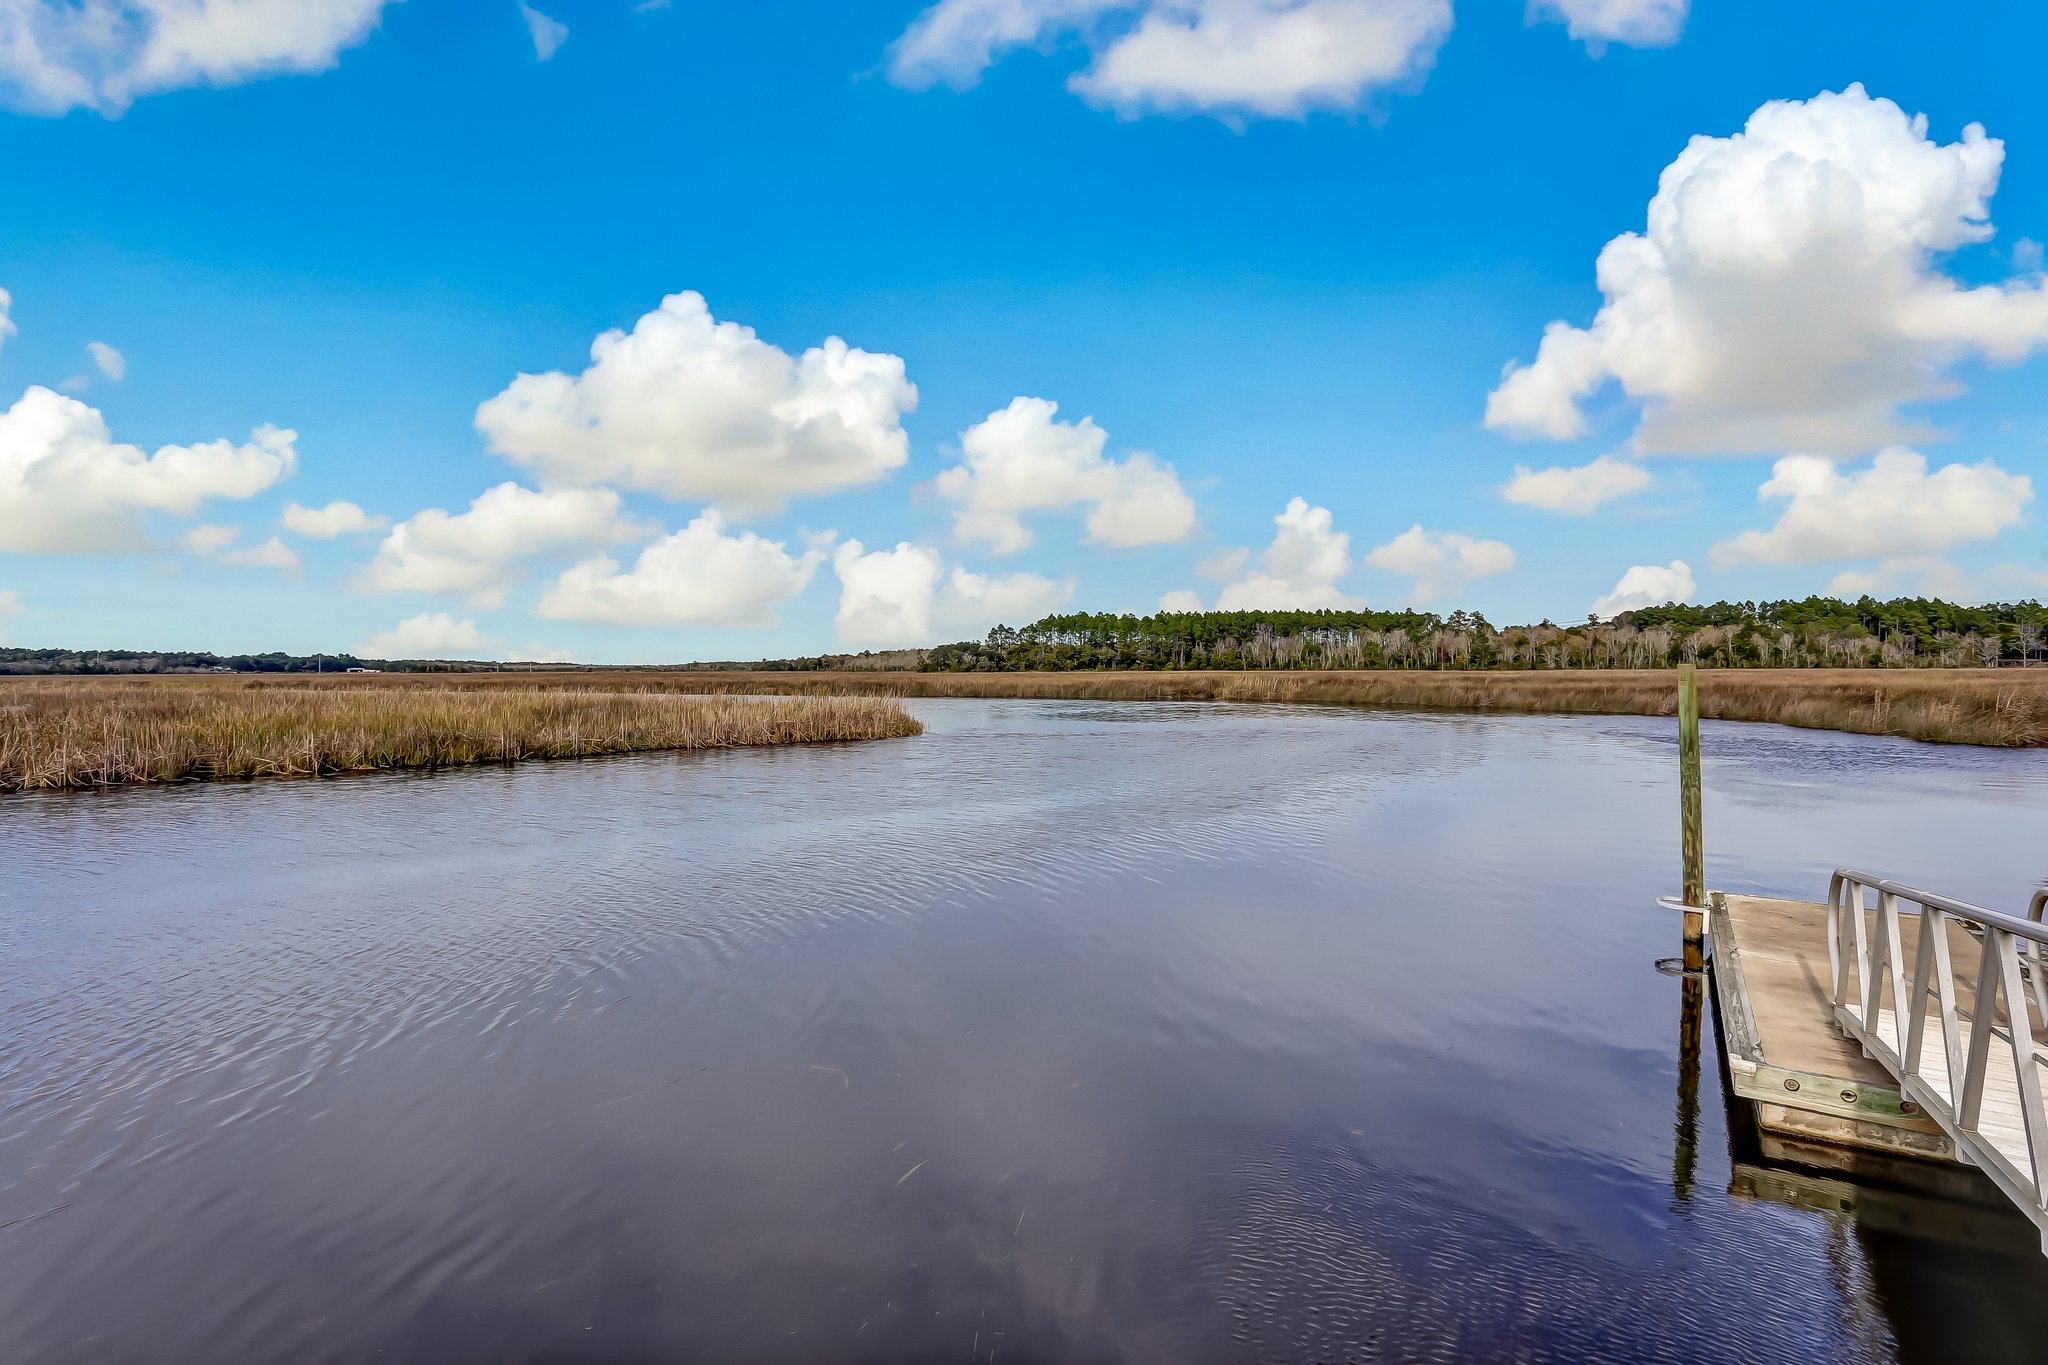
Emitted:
<point x="1994" y="708"/>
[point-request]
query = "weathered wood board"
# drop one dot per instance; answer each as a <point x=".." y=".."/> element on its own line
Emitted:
<point x="1809" y="1082"/>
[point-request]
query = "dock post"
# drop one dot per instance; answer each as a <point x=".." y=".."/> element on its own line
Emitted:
<point x="1695" y="896"/>
<point x="1692" y="1001"/>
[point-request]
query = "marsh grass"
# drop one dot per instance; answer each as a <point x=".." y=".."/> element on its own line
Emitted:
<point x="99" y="732"/>
<point x="103" y="731"/>
<point x="2004" y="707"/>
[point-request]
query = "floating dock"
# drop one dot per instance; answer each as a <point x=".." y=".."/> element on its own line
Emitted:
<point x="1848" y="1034"/>
<point x="1813" y="1087"/>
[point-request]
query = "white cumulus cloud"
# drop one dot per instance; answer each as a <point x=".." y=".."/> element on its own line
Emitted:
<point x="548" y="34"/>
<point x="1225" y="565"/>
<point x="1301" y="569"/>
<point x="67" y="487"/>
<point x="1022" y="459"/>
<point x="907" y="596"/>
<point x="2032" y="579"/>
<point x="1576" y="490"/>
<point x="337" y="518"/>
<point x="695" y="408"/>
<point x="1269" y="58"/>
<point x="209" y="538"/>
<point x="1916" y="576"/>
<point x="482" y="553"/>
<point x="57" y="55"/>
<point x="1785" y="293"/>
<point x="954" y="41"/>
<point x="535" y="652"/>
<point x="430" y="635"/>
<point x="10" y="607"/>
<point x="1636" y="23"/>
<point x="1441" y="562"/>
<point x="1891" y="509"/>
<point x="217" y="543"/>
<point x="271" y="554"/>
<point x="107" y="360"/>
<point x="700" y="576"/>
<point x="1648" y="585"/>
<point x="6" y="322"/>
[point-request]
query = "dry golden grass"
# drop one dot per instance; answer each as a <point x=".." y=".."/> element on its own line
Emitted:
<point x="558" y="714"/>
<point x="2003" y="707"/>
<point x="91" y="732"/>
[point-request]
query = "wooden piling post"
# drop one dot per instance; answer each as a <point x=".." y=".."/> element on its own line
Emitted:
<point x="1693" y="841"/>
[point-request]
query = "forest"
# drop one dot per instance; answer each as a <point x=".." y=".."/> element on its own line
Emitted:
<point x="14" y="659"/>
<point x="1812" y="632"/>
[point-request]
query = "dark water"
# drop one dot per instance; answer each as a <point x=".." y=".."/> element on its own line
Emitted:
<point x="1068" y="1032"/>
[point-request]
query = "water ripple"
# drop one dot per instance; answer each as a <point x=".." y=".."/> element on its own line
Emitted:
<point x="1205" y="1033"/>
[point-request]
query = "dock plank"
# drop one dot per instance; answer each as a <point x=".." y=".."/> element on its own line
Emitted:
<point x="1784" y="951"/>
<point x="1810" y="1083"/>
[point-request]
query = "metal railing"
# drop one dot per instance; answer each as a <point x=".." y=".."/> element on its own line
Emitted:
<point x="2038" y="965"/>
<point x="1981" y="1079"/>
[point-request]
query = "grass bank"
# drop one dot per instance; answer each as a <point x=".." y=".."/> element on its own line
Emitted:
<point x="104" y="732"/>
<point x="2003" y="707"/>
<point x="2006" y="707"/>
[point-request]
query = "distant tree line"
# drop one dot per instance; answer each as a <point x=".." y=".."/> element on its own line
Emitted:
<point x="1813" y="632"/>
<point x="867" y="661"/>
<point x="16" y="660"/>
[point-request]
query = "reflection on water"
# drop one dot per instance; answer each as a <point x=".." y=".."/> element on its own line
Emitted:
<point x="1068" y="1032"/>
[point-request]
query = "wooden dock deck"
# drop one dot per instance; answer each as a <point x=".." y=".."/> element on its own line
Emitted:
<point x="1819" y="1100"/>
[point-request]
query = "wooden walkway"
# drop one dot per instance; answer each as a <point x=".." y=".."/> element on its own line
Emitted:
<point x="2002" y="1119"/>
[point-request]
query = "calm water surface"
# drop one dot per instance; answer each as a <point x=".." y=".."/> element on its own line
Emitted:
<point x="1076" y="1032"/>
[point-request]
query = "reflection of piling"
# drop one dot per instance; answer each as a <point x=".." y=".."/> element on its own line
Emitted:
<point x="1685" y="1153"/>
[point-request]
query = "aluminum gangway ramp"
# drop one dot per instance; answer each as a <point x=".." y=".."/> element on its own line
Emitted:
<point x="1952" y="999"/>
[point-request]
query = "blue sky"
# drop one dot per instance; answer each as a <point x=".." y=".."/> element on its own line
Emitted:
<point x="1274" y="249"/>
